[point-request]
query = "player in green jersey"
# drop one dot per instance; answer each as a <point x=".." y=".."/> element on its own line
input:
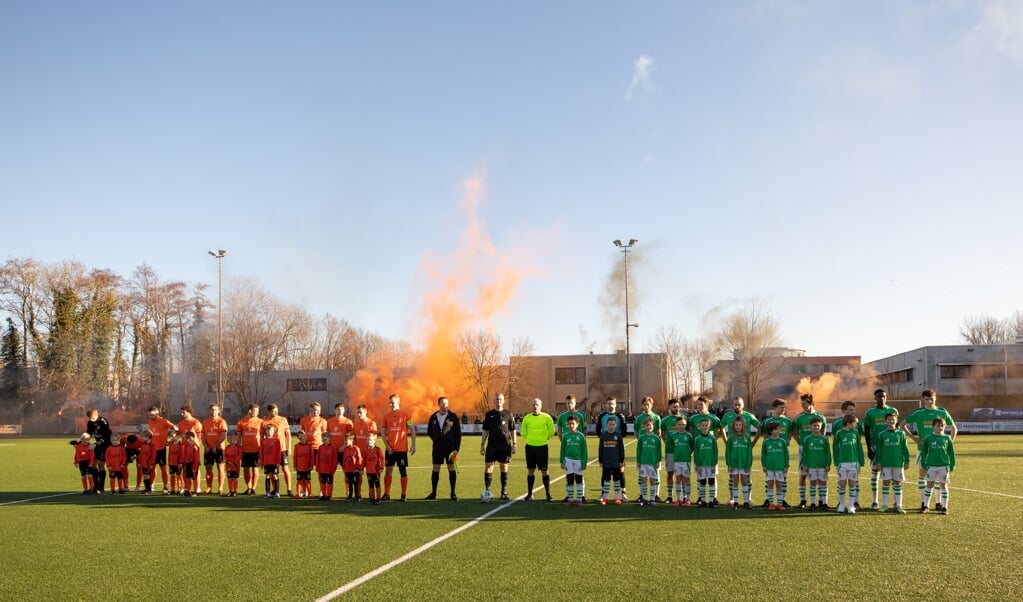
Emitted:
<point x="784" y="423"/>
<point x="703" y="413"/>
<point x="847" y="453"/>
<point x="817" y="462"/>
<point x="738" y="410"/>
<point x="668" y="423"/>
<point x="648" y="462"/>
<point x="848" y="409"/>
<point x="922" y="420"/>
<point x="774" y="458"/>
<point x="705" y="458"/>
<point x="739" y="460"/>
<point x="573" y="461"/>
<point x="874" y="425"/>
<point x="682" y="453"/>
<point x="892" y="454"/>
<point x="801" y="430"/>
<point x="648" y="412"/>
<point x="562" y="428"/>
<point x="939" y="460"/>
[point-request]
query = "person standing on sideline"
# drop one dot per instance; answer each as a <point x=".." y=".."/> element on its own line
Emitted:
<point x="922" y="420"/>
<point x="283" y="434"/>
<point x="250" y="431"/>
<point x="668" y="423"/>
<point x="214" y="434"/>
<point x="160" y="428"/>
<point x="399" y="441"/>
<point x="873" y="425"/>
<point x="445" y="430"/>
<point x="498" y="444"/>
<point x="537" y="429"/>
<point x="99" y="428"/>
<point x="611" y="411"/>
<point x="562" y="429"/>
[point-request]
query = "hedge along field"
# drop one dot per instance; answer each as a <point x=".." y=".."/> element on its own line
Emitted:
<point x="64" y="546"/>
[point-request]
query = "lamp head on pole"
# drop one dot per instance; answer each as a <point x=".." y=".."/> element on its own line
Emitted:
<point x="618" y="243"/>
<point x="218" y="254"/>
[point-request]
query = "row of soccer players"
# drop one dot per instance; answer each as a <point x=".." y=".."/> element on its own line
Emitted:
<point x="689" y="444"/>
<point x="173" y="449"/>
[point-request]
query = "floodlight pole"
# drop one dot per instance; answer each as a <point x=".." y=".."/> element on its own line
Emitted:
<point x="219" y="256"/>
<point x="625" y="248"/>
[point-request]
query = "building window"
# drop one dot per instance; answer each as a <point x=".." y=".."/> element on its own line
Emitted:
<point x="899" y="376"/>
<point x="614" y="374"/>
<point x="570" y="376"/>
<point x="211" y="387"/>
<point x="954" y="371"/>
<point x="307" y="384"/>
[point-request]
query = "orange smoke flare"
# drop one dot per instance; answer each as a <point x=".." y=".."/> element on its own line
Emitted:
<point x="464" y="290"/>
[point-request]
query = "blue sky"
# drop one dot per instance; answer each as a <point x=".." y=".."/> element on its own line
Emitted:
<point x="856" y="166"/>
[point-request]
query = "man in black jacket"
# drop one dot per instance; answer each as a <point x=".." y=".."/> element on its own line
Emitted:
<point x="445" y="430"/>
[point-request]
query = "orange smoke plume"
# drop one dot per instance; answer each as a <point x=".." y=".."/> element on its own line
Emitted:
<point x="464" y="290"/>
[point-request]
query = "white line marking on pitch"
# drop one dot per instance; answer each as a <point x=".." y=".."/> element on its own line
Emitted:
<point x="1015" y="497"/>
<point x="426" y="546"/>
<point x="35" y="499"/>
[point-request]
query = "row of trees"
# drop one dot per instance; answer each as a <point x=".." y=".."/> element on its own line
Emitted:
<point x="749" y="337"/>
<point x="990" y="330"/>
<point x="74" y="334"/>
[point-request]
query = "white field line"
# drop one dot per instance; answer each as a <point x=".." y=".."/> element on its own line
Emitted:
<point x="36" y="499"/>
<point x="1015" y="497"/>
<point x="426" y="546"/>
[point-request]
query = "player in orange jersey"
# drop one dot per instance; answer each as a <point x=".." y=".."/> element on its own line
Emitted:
<point x="85" y="460"/>
<point x="363" y="426"/>
<point x="117" y="464"/>
<point x="284" y="436"/>
<point x="214" y="435"/>
<point x="303" y="460"/>
<point x="326" y="466"/>
<point x="232" y="463"/>
<point x="146" y="461"/>
<point x="174" y="463"/>
<point x="160" y="428"/>
<point x="191" y="456"/>
<point x="269" y="456"/>
<point x="374" y="463"/>
<point x="313" y="425"/>
<point x="250" y="433"/>
<point x="339" y="426"/>
<point x="351" y="463"/>
<point x="400" y="441"/>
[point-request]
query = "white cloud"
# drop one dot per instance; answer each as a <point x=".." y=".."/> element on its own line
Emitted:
<point x="999" y="27"/>
<point x="641" y="70"/>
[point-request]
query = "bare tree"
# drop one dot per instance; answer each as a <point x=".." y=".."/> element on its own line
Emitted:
<point x="22" y="295"/>
<point x="1014" y="326"/>
<point x="752" y="336"/>
<point x="479" y="356"/>
<point x="670" y="344"/>
<point x="983" y="330"/>
<point x="520" y="368"/>
<point x="259" y="330"/>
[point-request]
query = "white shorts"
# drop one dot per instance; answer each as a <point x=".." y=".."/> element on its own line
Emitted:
<point x="669" y="462"/>
<point x="893" y="474"/>
<point x="817" y="474"/>
<point x="647" y="471"/>
<point x="937" y="474"/>
<point x="775" y="475"/>
<point x="573" y="466"/>
<point x="706" y="472"/>
<point x="848" y="471"/>
<point x="682" y="469"/>
<point x="738" y="471"/>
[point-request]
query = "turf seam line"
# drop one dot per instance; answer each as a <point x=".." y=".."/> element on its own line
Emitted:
<point x="34" y="499"/>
